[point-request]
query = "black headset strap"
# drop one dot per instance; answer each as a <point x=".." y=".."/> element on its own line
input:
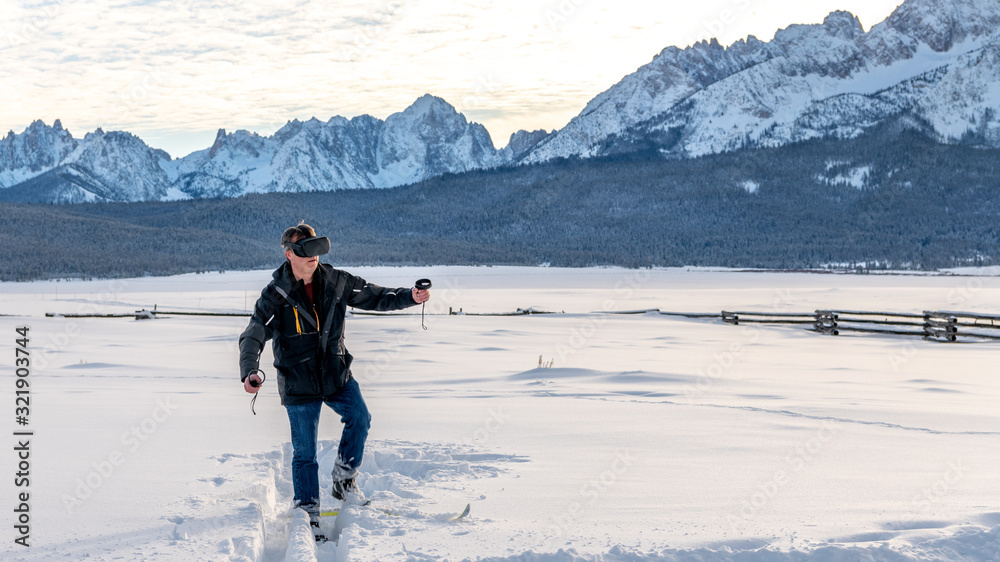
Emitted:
<point x="302" y="314"/>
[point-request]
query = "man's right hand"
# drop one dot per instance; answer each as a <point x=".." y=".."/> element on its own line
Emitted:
<point x="250" y="388"/>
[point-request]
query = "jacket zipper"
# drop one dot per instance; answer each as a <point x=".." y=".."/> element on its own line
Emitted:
<point x="318" y="375"/>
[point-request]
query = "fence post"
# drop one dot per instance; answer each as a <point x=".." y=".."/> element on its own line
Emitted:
<point x="826" y="322"/>
<point x="940" y="325"/>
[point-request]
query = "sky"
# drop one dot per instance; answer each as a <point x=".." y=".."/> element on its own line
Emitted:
<point x="173" y="72"/>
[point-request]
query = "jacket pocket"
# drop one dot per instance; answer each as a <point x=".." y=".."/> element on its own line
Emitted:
<point x="336" y="371"/>
<point x="296" y="356"/>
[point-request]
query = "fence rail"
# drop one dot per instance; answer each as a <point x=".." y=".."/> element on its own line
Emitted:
<point x="939" y="325"/>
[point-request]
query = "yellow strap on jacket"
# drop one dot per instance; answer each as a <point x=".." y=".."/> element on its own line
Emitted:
<point x="298" y="327"/>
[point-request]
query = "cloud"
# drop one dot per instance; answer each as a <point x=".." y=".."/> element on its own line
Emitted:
<point x="197" y="65"/>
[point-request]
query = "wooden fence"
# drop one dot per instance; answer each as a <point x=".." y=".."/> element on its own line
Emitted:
<point x="938" y="325"/>
<point x="935" y="325"/>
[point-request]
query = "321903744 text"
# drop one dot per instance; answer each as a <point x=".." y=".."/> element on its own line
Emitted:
<point x="22" y="437"/>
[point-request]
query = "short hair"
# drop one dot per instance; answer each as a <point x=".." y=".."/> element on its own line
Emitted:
<point x="291" y="234"/>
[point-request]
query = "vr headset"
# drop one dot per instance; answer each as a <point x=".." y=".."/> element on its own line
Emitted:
<point x="309" y="247"/>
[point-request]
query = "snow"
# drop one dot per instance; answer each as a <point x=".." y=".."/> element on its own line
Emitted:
<point x="9" y="178"/>
<point x="973" y="80"/>
<point x="77" y="194"/>
<point x="856" y="177"/>
<point x="650" y="438"/>
<point x="874" y="79"/>
<point x="175" y="194"/>
<point x="748" y="105"/>
<point x="184" y="165"/>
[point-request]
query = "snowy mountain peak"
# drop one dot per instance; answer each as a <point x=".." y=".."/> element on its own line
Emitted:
<point x="220" y="137"/>
<point x="427" y="138"/>
<point x="33" y="152"/>
<point x="429" y="116"/>
<point x="239" y="142"/>
<point x="838" y="28"/>
<point x="427" y="107"/>
<point x="288" y="130"/>
<point x="669" y="79"/>
<point x="36" y="125"/>
<point x="428" y="103"/>
<point x="522" y="142"/>
<point x="118" y="166"/>
<point x="811" y="80"/>
<point x="338" y="121"/>
<point x="941" y="24"/>
<point x="843" y="24"/>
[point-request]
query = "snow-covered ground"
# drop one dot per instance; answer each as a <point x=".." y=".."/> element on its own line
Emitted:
<point x="648" y="438"/>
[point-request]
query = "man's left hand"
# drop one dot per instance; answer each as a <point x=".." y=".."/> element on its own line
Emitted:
<point x="421" y="296"/>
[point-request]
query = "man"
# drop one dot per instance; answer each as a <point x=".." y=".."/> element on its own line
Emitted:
<point x="302" y="309"/>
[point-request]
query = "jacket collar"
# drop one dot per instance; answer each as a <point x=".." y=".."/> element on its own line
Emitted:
<point x="282" y="277"/>
<point x="285" y="280"/>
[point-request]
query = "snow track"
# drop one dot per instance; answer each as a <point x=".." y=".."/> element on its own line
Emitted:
<point x="257" y="523"/>
<point x="410" y="484"/>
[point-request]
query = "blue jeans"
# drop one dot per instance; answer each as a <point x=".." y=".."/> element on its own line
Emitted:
<point x="304" y="422"/>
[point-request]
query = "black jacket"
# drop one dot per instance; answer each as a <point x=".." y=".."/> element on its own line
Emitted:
<point x="308" y="342"/>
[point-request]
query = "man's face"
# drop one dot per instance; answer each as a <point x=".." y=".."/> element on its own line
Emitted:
<point x="302" y="268"/>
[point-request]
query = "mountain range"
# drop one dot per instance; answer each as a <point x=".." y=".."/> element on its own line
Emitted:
<point x="933" y="65"/>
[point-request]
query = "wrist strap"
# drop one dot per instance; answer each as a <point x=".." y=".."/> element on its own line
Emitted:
<point x="263" y="377"/>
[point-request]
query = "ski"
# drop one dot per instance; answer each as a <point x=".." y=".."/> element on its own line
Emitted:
<point x="464" y="513"/>
<point x="336" y="512"/>
<point x="449" y="517"/>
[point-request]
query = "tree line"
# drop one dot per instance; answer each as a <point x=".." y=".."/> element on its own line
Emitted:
<point x="922" y="205"/>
